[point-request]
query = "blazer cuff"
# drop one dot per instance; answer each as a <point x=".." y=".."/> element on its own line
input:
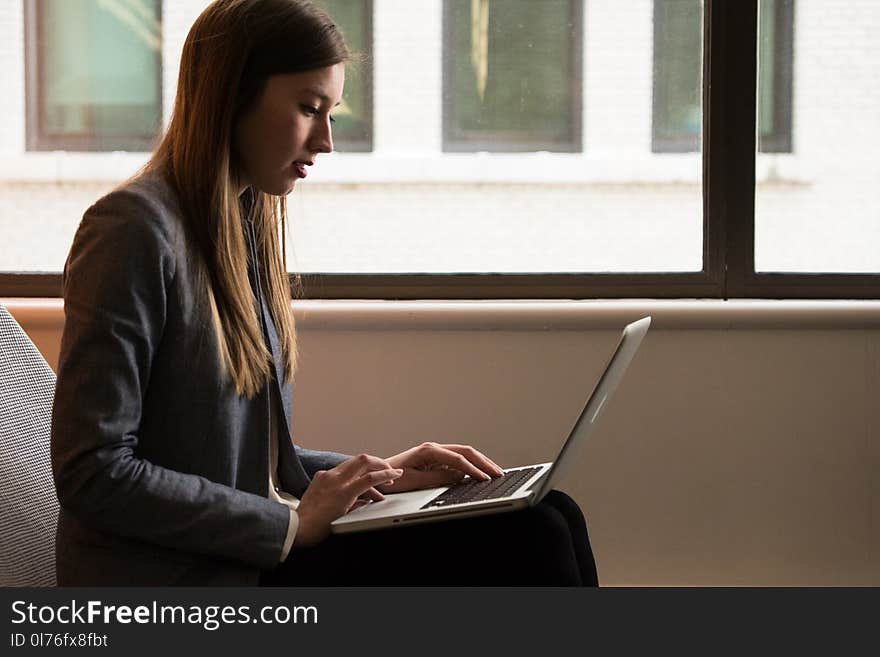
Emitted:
<point x="292" y="526"/>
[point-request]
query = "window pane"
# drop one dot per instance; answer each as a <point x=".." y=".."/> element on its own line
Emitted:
<point x="99" y="74"/>
<point x="775" y="26"/>
<point x="353" y="128"/>
<point x="678" y="69"/>
<point x="678" y="102"/>
<point x="410" y="207"/>
<point x="766" y="59"/>
<point x="512" y="75"/>
<point x="818" y="209"/>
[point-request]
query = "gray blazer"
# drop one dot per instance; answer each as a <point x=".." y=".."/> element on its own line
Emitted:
<point x="161" y="468"/>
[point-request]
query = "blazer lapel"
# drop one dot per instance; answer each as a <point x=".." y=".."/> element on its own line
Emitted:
<point x="291" y="472"/>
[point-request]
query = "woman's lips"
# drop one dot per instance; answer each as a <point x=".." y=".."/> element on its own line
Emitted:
<point x="300" y="169"/>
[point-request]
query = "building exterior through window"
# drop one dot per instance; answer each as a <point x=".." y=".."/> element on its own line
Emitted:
<point x="475" y="136"/>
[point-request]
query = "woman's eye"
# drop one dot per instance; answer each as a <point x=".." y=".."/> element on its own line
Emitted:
<point x="314" y="111"/>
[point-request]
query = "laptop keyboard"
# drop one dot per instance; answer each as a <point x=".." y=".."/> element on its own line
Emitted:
<point x="472" y="490"/>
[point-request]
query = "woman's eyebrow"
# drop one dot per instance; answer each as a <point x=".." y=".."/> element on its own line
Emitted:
<point x="323" y="97"/>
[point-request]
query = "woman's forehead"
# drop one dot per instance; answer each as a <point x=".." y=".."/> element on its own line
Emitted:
<point x="325" y="83"/>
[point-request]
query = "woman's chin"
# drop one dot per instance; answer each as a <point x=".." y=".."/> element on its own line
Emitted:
<point x="282" y="188"/>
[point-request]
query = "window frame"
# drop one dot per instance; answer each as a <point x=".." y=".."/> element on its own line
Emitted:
<point x="729" y="118"/>
<point x="35" y="138"/>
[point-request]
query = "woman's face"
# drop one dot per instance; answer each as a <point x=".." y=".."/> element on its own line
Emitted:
<point x="283" y="131"/>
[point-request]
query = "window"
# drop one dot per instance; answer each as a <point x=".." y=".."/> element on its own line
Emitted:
<point x="770" y="105"/>
<point x="93" y="75"/>
<point x="678" y="39"/>
<point x="512" y="75"/>
<point x="823" y="217"/>
<point x="775" y="44"/>
<point x="678" y="69"/>
<point x="544" y="213"/>
<point x="352" y="131"/>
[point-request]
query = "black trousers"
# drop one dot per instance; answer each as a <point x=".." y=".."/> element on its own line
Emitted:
<point x="546" y="545"/>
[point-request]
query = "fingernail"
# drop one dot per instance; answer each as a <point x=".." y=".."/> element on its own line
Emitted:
<point x="398" y="472"/>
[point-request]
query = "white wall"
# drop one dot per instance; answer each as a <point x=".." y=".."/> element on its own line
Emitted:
<point x="742" y="447"/>
<point x="729" y="457"/>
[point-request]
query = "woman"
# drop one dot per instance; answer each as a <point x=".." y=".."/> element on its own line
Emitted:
<point x="171" y="444"/>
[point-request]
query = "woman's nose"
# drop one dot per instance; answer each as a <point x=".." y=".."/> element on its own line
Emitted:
<point x="322" y="138"/>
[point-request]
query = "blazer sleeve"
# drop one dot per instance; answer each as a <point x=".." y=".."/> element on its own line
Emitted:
<point x="116" y="282"/>
<point x="313" y="460"/>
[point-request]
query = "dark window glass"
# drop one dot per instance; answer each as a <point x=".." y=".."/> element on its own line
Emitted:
<point x="94" y="74"/>
<point x="774" y="75"/>
<point x="512" y="75"/>
<point x="678" y="61"/>
<point x="354" y="118"/>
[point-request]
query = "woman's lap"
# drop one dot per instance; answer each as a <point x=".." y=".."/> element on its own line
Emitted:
<point x="543" y="545"/>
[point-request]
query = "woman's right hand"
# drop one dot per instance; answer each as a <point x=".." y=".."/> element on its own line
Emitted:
<point x="333" y="493"/>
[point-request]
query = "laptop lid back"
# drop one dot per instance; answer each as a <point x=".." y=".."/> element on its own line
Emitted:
<point x="617" y="365"/>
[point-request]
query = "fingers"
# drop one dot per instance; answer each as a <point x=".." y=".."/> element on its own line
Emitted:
<point x="372" y="495"/>
<point x="466" y="459"/>
<point x="368" y="480"/>
<point x="361" y="463"/>
<point x="363" y="472"/>
<point x="359" y="476"/>
<point x="357" y="504"/>
<point x="421" y="479"/>
<point x="477" y="458"/>
<point x="451" y="459"/>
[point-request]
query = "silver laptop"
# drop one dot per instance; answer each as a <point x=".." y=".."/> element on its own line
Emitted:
<point x="519" y="487"/>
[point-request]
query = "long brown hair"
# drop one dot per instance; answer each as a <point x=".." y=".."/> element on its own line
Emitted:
<point x="229" y="53"/>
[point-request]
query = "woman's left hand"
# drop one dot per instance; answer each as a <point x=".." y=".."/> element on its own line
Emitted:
<point x="430" y="465"/>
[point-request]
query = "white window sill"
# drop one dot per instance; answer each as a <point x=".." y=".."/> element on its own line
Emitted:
<point x="548" y="315"/>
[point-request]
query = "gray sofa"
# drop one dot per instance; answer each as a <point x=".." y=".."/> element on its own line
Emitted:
<point x="28" y="504"/>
